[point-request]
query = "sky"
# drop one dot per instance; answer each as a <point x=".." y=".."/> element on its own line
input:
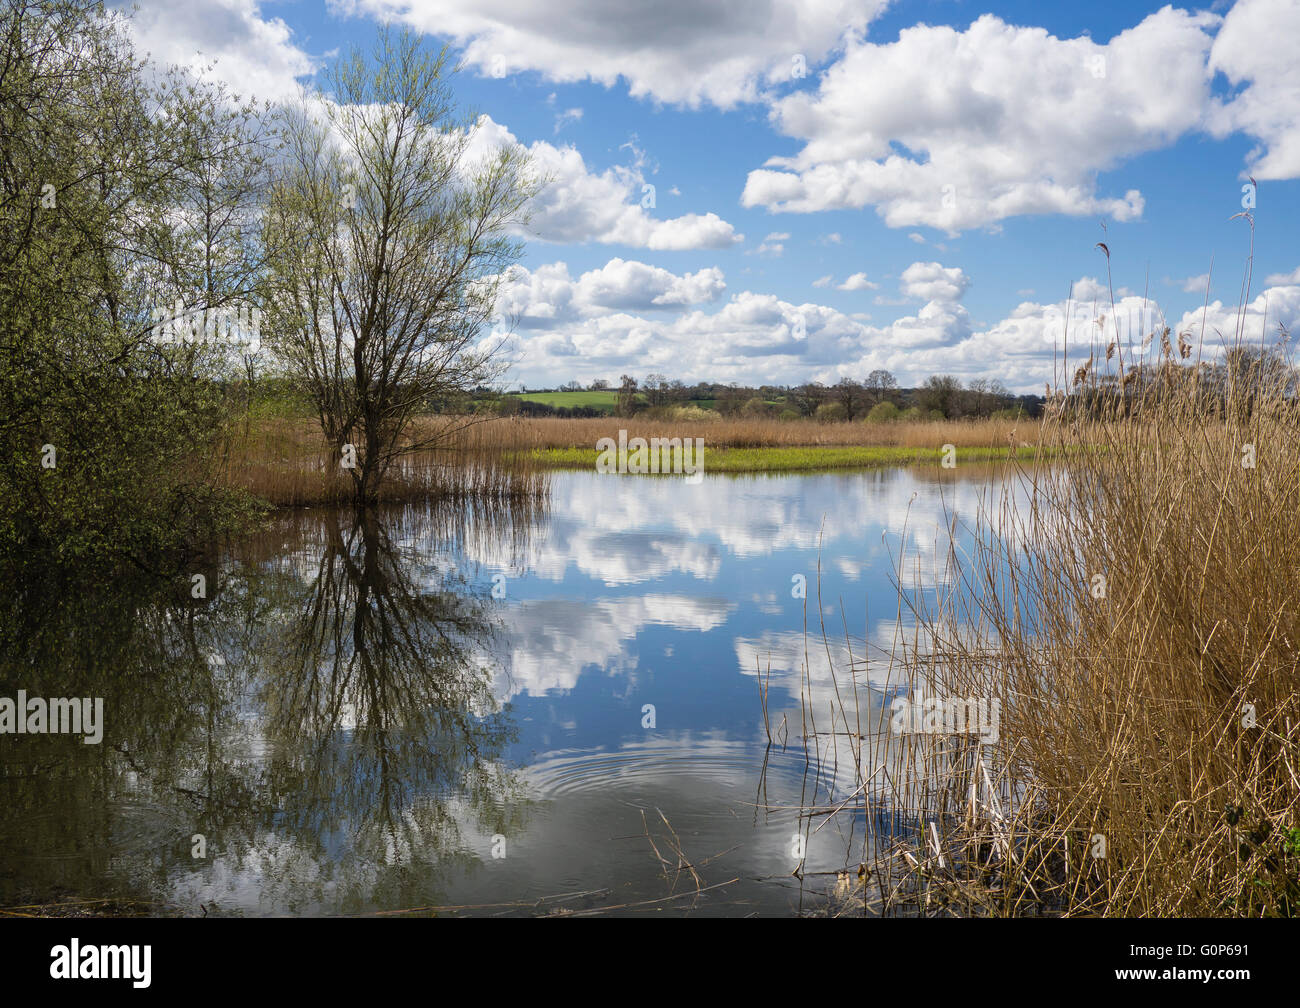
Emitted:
<point x="783" y="191"/>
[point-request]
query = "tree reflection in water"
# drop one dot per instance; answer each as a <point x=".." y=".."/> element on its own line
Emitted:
<point x="325" y="720"/>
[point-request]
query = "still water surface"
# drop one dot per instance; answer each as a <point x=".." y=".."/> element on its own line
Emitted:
<point x="475" y="714"/>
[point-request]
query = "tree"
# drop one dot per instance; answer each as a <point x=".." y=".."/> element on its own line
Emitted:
<point x="881" y="383"/>
<point x="110" y="436"/>
<point x="655" y="387"/>
<point x="388" y="242"/>
<point x="940" y="393"/>
<point x="849" y="395"/>
<point x="627" y="395"/>
<point x="883" y="412"/>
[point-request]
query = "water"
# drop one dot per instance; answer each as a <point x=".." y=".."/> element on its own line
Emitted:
<point x="548" y="712"/>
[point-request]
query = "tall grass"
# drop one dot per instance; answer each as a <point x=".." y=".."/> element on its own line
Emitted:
<point x="527" y="433"/>
<point x="287" y="463"/>
<point x="1142" y="624"/>
<point x="1136" y="612"/>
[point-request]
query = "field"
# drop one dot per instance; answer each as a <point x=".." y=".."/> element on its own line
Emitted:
<point x="603" y="399"/>
<point x="793" y="458"/>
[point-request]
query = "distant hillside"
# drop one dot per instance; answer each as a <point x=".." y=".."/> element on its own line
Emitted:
<point x="605" y="400"/>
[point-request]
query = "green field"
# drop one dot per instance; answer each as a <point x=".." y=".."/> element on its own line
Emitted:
<point x="785" y="459"/>
<point x="605" y="399"/>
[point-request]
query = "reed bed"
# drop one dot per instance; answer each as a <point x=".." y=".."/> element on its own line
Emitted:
<point x="287" y="463"/>
<point x="537" y="433"/>
<point x="1135" y="612"/>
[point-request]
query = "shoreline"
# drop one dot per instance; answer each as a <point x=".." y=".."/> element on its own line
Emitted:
<point x="785" y="459"/>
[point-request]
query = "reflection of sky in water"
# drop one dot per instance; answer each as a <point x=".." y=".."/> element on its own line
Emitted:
<point x="629" y="592"/>
<point x="637" y="579"/>
<point x="651" y="591"/>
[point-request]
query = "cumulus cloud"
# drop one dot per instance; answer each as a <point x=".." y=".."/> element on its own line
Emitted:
<point x="757" y="338"/>
<point x="932" y="282"/>
<point x="255" y="55"/>
<point x="1283" y="279"/>
<point x="1262" y="321"/>
<point x="961" y="129"/>
<point x="858" y="281"/>
<point x="548" y="294"/>
<point x="1255" y="50"/>
<point x="613" y="207"/>
<point x="674" y="51"/>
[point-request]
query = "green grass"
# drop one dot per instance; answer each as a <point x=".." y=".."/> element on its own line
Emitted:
<point x="604" y="399"/>
<point x="785" y="459"/>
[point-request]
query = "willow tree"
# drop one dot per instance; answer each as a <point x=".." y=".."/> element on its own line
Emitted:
<point x="108" y="439"/>
<point x="389" y="229"/>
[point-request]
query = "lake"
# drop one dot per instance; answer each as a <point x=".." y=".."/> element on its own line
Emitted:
<point x="553" y="710"/>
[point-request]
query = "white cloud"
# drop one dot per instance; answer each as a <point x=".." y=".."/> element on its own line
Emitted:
<point x="1258" y="322"/>
<point x="773" y="244"/>
<point x="823" y="281"/>
<point x="756" y="338"/>
<point x="578" y="205"/>
<point x="932" y="282"/>
<point x="567" y="117"/>
<point x="548" y="294"/>
<point x="961" y="129"/>
<point x="674" y="51"/>
<point x="1196" y="284"/>
<point x="256" y="56"/>
<point x="630" y="284"/>
<point x="1284" y="279"/>
<point x="858" y="281"/>
<point x="1256" y="47"/>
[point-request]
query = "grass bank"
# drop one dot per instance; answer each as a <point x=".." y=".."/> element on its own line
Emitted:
<point x="286" y="462"/>
<point x="777" y="459"/>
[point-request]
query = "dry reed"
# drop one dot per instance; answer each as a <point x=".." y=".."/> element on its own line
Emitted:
<point x="1136" y="614"/>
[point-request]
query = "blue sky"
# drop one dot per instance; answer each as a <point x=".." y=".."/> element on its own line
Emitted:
<point x="840" y="185"/>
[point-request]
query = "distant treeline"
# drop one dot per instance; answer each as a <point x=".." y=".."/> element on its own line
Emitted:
<point x="878" y="398"/>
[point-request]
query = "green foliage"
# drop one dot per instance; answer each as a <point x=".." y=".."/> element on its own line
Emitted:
<point x="602" y="399"/>
<point x="92" y="185"/>
<point x="882" y="412"/>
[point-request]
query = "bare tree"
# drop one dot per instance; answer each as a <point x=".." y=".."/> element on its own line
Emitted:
<point x="627" y="393"/>
<point x="390" y="234"/>
<point x="880" y="383"/>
